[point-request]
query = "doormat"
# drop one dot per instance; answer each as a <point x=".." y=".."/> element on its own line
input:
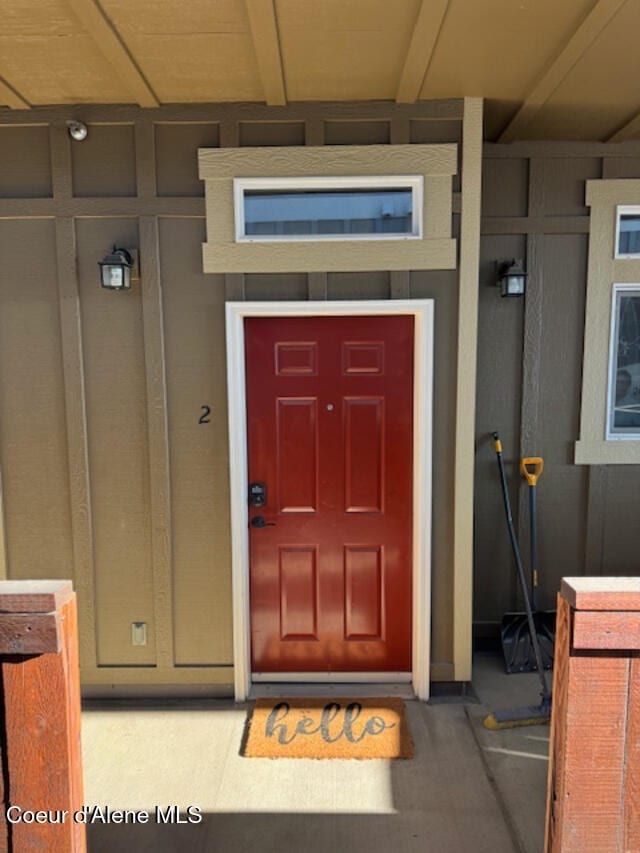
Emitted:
<point x="328" y="728"/>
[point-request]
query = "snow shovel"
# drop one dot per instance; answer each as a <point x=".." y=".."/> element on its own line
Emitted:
<point x="530" y="714"/>
<point x="517" y="647"/>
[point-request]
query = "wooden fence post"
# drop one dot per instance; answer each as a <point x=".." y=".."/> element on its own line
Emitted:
<point x="40" y="718"/>
<point x="593" y="792"/>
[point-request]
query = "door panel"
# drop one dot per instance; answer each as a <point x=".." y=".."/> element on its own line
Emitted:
<point x="330" y="413"/>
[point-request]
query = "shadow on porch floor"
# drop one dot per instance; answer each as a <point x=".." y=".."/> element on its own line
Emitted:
<point x="466" y="789"/>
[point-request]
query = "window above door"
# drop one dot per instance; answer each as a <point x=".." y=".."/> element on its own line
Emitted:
<point x="345" y="208"/>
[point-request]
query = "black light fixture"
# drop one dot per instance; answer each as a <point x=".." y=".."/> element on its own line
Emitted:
<point x="115" y="270"/>
<point x="511" y="277"/>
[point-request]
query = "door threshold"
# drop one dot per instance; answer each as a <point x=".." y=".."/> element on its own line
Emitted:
<point x="325" y="690"/>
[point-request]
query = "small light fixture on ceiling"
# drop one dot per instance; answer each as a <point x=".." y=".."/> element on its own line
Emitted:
<point x="78" y="130"/>
<point x="511" y="277"/>
<point x="116" y="268"/>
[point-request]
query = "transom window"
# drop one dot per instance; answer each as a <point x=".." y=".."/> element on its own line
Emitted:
<point x="624" y="370"/>
<point x="355" y="208"/>
<point x="628" y="231"/>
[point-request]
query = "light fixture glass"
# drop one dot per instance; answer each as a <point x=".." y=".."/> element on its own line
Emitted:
<point x="77" y="130"/>
<point x="511" y="277"/>
<point x="115" y="270"/>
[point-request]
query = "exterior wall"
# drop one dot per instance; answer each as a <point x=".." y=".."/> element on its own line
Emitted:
<point x="107" y="475"/>
<point x="530" y="377"/>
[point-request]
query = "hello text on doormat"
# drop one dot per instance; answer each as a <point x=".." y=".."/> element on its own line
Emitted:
<point x="328" y="728"/>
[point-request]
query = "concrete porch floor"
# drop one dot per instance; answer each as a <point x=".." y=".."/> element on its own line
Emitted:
<point x="466" y="789"/>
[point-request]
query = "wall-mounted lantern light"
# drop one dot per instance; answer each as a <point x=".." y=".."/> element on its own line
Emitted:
<point x="511" y="277"/>
<point x="115" y="269"/>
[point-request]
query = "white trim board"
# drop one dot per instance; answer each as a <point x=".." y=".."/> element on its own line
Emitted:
<point x="422" y="310"/>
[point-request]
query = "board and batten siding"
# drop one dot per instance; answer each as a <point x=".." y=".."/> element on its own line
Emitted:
<point x="108" y="475"/>
<point x="530" y="378"/>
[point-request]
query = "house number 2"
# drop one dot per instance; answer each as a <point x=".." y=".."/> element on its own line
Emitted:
<point x="204" y="417"/>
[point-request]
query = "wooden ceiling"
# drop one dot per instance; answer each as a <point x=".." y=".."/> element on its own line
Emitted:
<point x="549" y="69"/>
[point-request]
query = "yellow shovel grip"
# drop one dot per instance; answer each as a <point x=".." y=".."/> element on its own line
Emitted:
<point x="531" y="476"/>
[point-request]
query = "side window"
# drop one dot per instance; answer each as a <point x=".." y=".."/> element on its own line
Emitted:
<point x="624" y="376"/>
<point x="610" y="409"/>
<point x="628" y="231"/>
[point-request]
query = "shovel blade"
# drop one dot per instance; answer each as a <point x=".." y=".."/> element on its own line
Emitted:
<point x="517" y="647"/>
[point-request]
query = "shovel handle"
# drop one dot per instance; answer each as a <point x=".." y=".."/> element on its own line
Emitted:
<point x="531" y="462"/>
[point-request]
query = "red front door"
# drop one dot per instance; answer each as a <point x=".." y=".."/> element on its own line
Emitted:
<point x="329" y="409"/>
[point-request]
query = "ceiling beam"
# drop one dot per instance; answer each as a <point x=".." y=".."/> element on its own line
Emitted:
<point x="630" y="130"/>
<point x="421" y="49"/>
<point x="266" y="44"/>
<point x="557" y="70"/>
<point x="109" y="43"/>
<point x="11" y="98"/>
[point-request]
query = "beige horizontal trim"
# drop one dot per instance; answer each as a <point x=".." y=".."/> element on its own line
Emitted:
<point x="620" y="452"/>
<point x="535" y="225"/>
<point x="329" y="256"/>
<point x="613" y="192"/>
<point x="156" y="675"/>
<point x="338" y="160"/>
<point x="626" y="270"/>
<point x="436" y="250"/>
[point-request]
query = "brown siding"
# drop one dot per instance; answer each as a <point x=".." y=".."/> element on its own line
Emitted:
<point x="530" y="375"/>
<point x="104" y="164"/>
<point x="95" y="386"/>
<point x="26" y="164"/>
<point x="118" y="449"/>
<point x="196" y="377"/>
<point x="442" y="287"/>
<point x="32" y="426"/>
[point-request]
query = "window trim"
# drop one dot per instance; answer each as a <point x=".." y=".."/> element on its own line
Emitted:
<point x="621" y="210"/>
<point x="618" y="288"/>
<point x="330" y="182"/>
<point x="436" y="163"/>
<point x="596" y="445"/>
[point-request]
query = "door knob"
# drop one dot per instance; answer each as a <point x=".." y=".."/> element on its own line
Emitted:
<point x="259" y="521"/>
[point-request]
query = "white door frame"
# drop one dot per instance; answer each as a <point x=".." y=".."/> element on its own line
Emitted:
<point x="422" y="311"/>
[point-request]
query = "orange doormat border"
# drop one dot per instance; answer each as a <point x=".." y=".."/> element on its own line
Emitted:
<point x="327" y="728"/>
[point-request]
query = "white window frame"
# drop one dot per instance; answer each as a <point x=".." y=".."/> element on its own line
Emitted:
<point x="413" y="182"/>
<point x="617" y="289"/>
<point x="622" y="210"/>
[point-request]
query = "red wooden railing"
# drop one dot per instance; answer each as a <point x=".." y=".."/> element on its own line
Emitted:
<point x="41" y="780"/>
<point x="593" y="794"/>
